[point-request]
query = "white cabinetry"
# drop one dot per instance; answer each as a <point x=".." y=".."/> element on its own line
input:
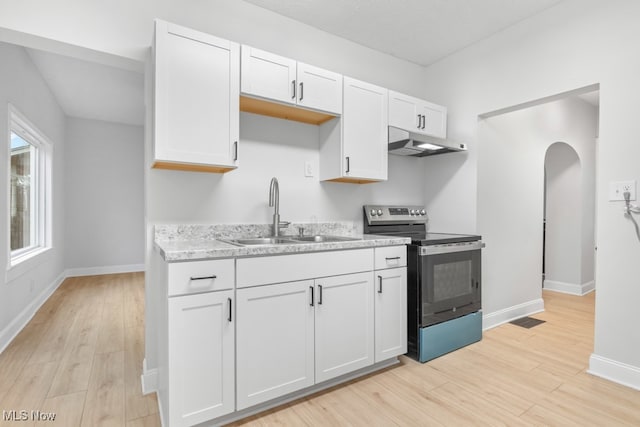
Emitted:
<point x="416" y="115"/>
<point x="275" y="350"/>
<point x="284" y="80"/>
<point x="295" y="334"/>
<point x="199" y="351"/>
<point x="196" y="102"/>
<point x="354" y="148"/>
<point x="201" y="357"/>
<point x="390" y="303"/>
<point x="344" y="324"/>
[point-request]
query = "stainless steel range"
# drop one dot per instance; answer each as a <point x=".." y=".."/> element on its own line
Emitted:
<point x="443" y="280"/>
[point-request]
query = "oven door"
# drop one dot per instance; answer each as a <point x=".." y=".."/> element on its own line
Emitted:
<point x="450" y="283"/>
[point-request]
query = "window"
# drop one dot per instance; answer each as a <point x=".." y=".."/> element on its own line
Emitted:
<point x="29" y="189"/>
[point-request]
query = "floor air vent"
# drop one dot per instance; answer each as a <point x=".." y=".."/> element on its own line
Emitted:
<point x="527" y="322"/>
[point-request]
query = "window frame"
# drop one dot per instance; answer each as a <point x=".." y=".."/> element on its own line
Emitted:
<point x="41" y="193"/>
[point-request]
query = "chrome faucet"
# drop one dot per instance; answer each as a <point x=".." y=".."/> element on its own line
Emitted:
<point x="274" y="201"/>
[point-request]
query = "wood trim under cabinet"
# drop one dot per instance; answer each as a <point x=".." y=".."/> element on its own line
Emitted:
<point x="191" y="167"/>
<point x="354" y="180"/>
<point x="280" y="111"/>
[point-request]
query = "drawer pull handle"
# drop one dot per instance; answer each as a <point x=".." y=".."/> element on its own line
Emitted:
<point x="392" y="258"/>
<point x="204" y="277"/>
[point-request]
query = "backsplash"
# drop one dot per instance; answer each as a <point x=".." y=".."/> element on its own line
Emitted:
<point x="168" y="232"/>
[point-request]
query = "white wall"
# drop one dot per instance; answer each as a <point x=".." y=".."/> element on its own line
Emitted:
<point x="22" y="86"/>
<point x="573" y="45"/>
<point x="511" y="199"/>
<point x="273" y="147"/>
<point x="569" y="246"/>
<point x="104" y="197"/>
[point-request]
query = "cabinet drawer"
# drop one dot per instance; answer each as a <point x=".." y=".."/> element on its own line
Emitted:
<point x="390" y="257"/>
<point x="200" y="276"/>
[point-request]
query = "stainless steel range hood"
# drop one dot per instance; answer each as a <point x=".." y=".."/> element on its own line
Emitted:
<point x="405" y="143"/>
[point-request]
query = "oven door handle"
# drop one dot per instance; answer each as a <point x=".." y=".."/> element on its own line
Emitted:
<point x="447" y="249"/>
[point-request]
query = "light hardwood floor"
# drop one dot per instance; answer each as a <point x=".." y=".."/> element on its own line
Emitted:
<point x="81" y="358"/>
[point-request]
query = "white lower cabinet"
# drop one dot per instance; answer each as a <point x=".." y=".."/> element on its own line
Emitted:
<point x="293" y="335"/>
<point x="391" y="313"/>
<point x="275" y="353"/>
<point x="200" y="357"/>
<point x="344" y="324"/>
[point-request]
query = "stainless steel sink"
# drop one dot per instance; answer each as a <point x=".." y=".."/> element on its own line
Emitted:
<point x="263" y="241"/>
<point x="323" y="239"/>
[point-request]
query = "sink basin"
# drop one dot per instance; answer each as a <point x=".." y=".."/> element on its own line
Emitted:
<point x="263" y="241"/>
<point x="322" y="239"/>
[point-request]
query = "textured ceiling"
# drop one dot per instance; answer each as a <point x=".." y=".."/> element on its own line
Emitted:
<point x="419" y="31"/>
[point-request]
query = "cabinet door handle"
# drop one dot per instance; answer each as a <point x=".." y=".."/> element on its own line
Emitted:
<point x="293" y="89"/>
<point x="319" y="294"/>
<point x="424" y="121"/>
<point x="235" y="150"/>
<point x="348" y="165"/>
<point x="379" y="284"/>
<point x="419" y="120"/>
<point x="230" y="305"/>
<point x="213" y="276"/>
<point x="311" y="288"/>
<point x="301" y="90"/>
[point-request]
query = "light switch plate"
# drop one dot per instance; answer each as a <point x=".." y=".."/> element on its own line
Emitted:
<point x="308" y="168"/>
<point x="617" y="189"/>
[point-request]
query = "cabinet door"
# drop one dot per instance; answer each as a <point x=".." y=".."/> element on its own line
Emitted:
<point x="403" y="112"/>
<point x="319" y="89"/>
<point x="435" y="120"/>
<point x="201" y="357"/>
<point x="364" y="131"/>
<point x="391" y="313"/>
<point x="275" y="353"/>
<point x="344" y="324"/>
<point x="196" y="98"/>
<point x="268" y="76"/>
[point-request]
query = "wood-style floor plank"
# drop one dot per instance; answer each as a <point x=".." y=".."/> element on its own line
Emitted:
<point x="81" y="356"/>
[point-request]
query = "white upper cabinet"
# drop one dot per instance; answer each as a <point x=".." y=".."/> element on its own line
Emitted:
<point x="196" y="106"/>
<point x="416" y="115"/>
<point x="354" y="148"/>
<point x="284" y="80"/>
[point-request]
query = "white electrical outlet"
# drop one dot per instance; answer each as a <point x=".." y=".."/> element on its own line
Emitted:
<point x="308" y="168"/>
<point x="617" y="189"/>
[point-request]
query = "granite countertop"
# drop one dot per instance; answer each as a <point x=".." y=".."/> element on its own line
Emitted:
<point x="197" y="242"/>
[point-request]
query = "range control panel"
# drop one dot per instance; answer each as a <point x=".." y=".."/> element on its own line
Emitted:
<point x="407" y="214"/>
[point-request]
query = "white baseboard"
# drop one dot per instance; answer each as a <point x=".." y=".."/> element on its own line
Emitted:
<point x="497" y="318"/>
<point x="618" y="372"/>
<point x="20" y="321"/>
<point x="112" y="269"/>
<point x="569" y="288"/>
<point x="149" y="379"/>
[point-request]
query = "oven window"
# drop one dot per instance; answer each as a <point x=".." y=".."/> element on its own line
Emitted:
<point x="452" y="279"/>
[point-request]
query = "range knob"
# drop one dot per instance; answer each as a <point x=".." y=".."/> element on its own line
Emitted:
<point x="379" y="212"/>
<point x="373" y="212"/>
<point x="412" y="212"/>
<point x="423" y="212"/>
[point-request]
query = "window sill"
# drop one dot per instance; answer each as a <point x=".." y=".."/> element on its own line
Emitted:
<point x="27" y="262"/>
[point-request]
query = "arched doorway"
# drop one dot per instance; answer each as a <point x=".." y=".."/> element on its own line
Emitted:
<point x="568" y="259"/>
